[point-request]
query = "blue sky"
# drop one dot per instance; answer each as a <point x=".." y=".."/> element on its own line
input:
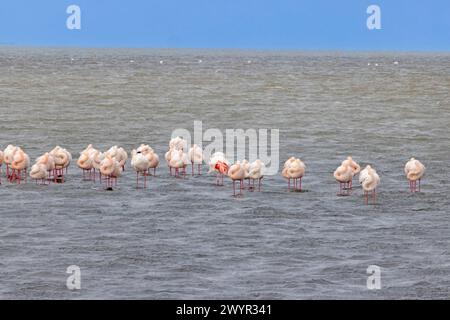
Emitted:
<point x="414" y="25"/>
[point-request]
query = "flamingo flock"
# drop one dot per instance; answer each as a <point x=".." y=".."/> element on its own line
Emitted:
<point x="108" y="164"/>
<point x="52" y="166"/>
<point x="368" y="178"/>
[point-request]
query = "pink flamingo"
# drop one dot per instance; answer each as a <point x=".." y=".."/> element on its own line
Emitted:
<point x="414" y="171"/>
<point x="195" y="156"/>
<point x="344" y="175"/>
<point x="140" y="164"/>
<point x="237" y="173"/>
<point x="294" y="169"/>
<point x="219" y="164"/>
<point x="19" y="165"/>
<point x="370" y="181"/>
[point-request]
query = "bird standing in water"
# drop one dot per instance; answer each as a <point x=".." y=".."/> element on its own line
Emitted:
<point x="344" y="175"/>
<point x="237" y="173"/>
<point x="414" y="171"/>
<point x="369" y="180"/>
<point x="141" y="165"/>
<point x="255" y="173"/>
<point x="294" y="169"/>
<point x="219" y="164"/>
<point x="195" y="156"/>
<point x="354" y="166"/>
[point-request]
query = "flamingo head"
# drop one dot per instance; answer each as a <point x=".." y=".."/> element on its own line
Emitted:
<point x="221" y="167"/>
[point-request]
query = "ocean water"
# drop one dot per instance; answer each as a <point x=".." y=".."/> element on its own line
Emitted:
<point x="187" y="238"/>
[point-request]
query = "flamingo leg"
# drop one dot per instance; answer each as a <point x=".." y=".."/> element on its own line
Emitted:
<point x="145" y="180"/>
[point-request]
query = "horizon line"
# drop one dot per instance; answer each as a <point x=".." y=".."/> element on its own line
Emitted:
<point x="343" y="50"/>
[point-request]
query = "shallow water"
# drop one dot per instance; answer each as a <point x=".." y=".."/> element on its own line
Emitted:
<point x="186" y="238"/>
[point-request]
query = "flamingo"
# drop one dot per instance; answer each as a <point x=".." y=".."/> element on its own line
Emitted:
<point x="153" y="160"/>
<point x="414" y="171"/>
<point x="152" y="157"/>
<point x="8" y="155"/>
<point x="219" y="164"/>
<point x="97" y="157"/>
<point x="20" y="163"/>
<point x="62" y="159"/>
<point x="256" y="172"/>
<point x="179" y="160"/>
<point x="86" y="162"/>
<point x="176" y="144"/>
<point x="237" y="173"/>
<point x="344" y="175"/>
<point x="369" y="180"/>
<point x="354" y="166"/>
<point x="111" y="169"/>
<point x="140" y="164"/>
<point x="119" y="154"/>
<point x="49" y="163"/>
<point x="38" y="172"/>
<point x="294" y="169"/>
<point x="195" y="156"/>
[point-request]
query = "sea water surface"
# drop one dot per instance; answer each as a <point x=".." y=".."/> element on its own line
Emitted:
<point x="186" y="238"/>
